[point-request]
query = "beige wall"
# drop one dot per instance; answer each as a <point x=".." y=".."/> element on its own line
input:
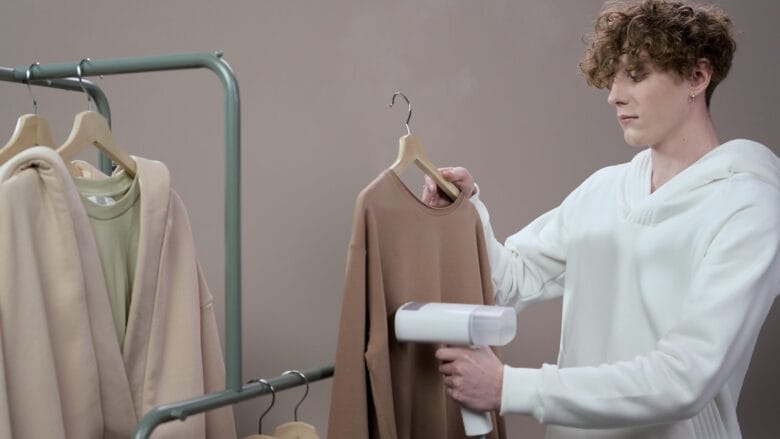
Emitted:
<point x="494" y="85"/>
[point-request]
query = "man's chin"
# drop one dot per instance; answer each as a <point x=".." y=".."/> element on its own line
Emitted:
<point x="633" y="141"/>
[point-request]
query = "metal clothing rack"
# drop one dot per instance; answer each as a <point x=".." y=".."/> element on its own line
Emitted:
<point x="63" y="76"/>
<point x="182" y="410"/>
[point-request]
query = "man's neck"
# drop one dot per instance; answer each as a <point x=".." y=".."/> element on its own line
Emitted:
<point x="672" y="156"/>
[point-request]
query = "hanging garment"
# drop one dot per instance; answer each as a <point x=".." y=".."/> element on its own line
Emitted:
<point x="171" y="349"/>
<point x="402" y="250"/>
<point x="113" y="207"/>
<point x="48" y="385"/>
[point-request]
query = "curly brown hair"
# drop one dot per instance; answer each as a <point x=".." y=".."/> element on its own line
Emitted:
<point x="674" y="36"/>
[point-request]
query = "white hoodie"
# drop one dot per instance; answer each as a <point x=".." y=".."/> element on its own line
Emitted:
<point x="664" y="295"/>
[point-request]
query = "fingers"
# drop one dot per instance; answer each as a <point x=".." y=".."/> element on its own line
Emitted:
<point x="451" y="382"/>
<point x="453" y="393"/>
<point x="460" y="177"/>
<point x="452" y="385"/>
<point x="472" y="375"/>
<point x="451" y="354"/>
<point x="458" y="395"/>
<point x="427" y="194"/>
<point x="432" y="196"/>
<point x="457" y="175"/>
<point x="429" y="182"/>
<point x="448" y="369"/>
<point x="482" y="350"/>
<point x="429" y="190"/>
<point x="453" y="173"/>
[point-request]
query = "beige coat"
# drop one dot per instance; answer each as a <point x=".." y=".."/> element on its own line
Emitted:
<point x="62" y="373"/>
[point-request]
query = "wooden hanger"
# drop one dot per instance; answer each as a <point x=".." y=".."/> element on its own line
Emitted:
<point x="410" y="150"/>
<point x="91" y="128"/>
<point x="296" y="429"/>
<point x="31" y="130"/>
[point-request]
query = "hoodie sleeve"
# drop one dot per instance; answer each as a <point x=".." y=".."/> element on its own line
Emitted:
<point x="529" y="267"/>
<point x="733" y="290"/>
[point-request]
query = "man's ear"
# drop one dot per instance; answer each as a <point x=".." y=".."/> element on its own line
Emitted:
<point x="700" y="77"/>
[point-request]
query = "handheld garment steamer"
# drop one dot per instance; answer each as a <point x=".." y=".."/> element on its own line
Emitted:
<point x="458" y="324"/>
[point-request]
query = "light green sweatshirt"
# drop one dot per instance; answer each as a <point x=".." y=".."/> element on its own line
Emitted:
<point x="113" y="207"/>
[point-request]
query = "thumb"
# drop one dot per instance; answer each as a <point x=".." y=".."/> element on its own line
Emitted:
<point x="430" y="184"/>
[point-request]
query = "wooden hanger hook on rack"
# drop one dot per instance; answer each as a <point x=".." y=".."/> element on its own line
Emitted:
<point x="91" y="128"/>
<point x="305" y="394"/>
<point x="296" y="429"/>
<point x="410" y="150"/>
<point x="28" y="75"/>
<point x="31" y="129"/>
<point x="260" y="434"/>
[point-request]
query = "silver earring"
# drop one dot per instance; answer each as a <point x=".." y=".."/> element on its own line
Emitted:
<point x="691" y="97"/>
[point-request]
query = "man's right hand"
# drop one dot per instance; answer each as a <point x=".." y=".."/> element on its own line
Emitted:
<point x="459" y="176"/>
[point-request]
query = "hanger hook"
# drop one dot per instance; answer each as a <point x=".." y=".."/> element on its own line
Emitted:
<point x="273" y="401"/>
<point x="409" y="116"/>
<point x="81" y="84"/>
<point x="305" y="378"/>
<point x="28" y="75"/>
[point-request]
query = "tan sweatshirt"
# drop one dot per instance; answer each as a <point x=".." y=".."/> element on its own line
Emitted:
<point x="64" y="374"/>
<point x="402" y="250"/>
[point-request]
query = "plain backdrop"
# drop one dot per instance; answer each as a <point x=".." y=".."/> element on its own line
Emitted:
<point x="494" y="85"/>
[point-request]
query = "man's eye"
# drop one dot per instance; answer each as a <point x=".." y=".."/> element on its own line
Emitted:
<point x="636" y="77"/>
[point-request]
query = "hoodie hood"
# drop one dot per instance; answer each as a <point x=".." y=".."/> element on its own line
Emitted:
<point x="748" y="157"/>
<point x="735" y="157"/>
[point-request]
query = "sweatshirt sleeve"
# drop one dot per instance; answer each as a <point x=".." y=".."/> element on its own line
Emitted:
<point x="529" y="267"/>
<point x="362" y="385"/>
<point x="731" y="294"/>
